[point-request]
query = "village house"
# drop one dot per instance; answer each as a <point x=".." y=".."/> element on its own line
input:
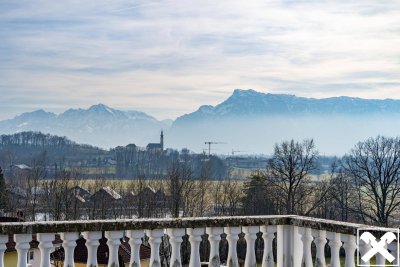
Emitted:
<point x="105" y="203"/>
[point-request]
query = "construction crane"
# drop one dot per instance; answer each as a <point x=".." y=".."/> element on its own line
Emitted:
<point x="209" y="143"/>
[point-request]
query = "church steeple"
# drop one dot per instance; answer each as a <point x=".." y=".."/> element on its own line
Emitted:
<point x="162" y="140"/>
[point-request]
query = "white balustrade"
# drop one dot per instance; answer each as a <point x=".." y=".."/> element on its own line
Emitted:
<point x="22" y="246"/>
<point x="175" y="239"/>
<point x="195" y="239"/>
<point x="380" y="259"/>
<point x="69" y="244"/>
<point x="232" y="236"/>
<point x="3" y="247"/>
<point x="350" y="246"/>
<point x="394" y="251"/>
<point x="335" y="243"/>
<point x="268" y="237"/>
<point x="320" y="241"/>
<point x="113" y="242"/>
<point x="290" y="237"/>
<point x="306" y="238"/>
<point x="250" y="236"/>
<point x="214" y="236"/>
<point x="45" y="246"/>
<point x="92" y="243"/>
<point x="284" y="243"/>
<point x="135" y="241"/>
<point x="364" y="248"/>
<point x="155" y="241"/>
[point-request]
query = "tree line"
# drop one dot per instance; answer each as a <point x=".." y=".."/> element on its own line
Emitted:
<point x="121" y="162"/>
<point x="362" y="186"/>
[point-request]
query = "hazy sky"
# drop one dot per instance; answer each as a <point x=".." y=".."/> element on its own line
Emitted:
<point x="169" y="57"/>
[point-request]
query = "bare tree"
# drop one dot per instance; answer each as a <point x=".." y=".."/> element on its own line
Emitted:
<point x="374" y="166"/>
<point x="33" y="187"/>
<point x="77" y="207"/>
<point x="179" y="183"/>
<point x="289" y="170"/>
<point x="196" y="193"/>
<point x="233" y="191"/>
<point x="343" y="198"/>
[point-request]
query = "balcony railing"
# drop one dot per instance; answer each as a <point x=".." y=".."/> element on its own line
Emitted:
<point x="293" y="247"/>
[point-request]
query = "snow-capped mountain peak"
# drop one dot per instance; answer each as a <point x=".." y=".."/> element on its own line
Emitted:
<point x="98" y="125"/>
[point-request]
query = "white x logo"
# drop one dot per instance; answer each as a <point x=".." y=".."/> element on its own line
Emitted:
<point x="378" y="247"/>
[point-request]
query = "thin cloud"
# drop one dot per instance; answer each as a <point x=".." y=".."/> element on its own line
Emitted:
<point x="137" y="53"/>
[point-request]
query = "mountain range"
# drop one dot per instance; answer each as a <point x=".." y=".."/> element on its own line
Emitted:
<point x="98" y="125"/>
<point x="244" y="103"/>
<point x="247" y="120"/>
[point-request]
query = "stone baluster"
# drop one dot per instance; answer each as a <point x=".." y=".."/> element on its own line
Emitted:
<point x="22" y="246"/>
<point x="3" y="247"/>
<point x="363" y="248"/>
<point x="195" y="239"/>
<point x="69" y="244"/>
<point x="135" y="241"/>
<point x="335" y="244"/>
<point x="113" y="242"/>
<point x="155" y="241"/>
<point x="214" y="236"/>
<point x="92" y="243"/>
<point x="175" y="239"/>
<point x="380" y="259"/>
<point x="268" y="236"/>
<point x="349" y="245"/>
<point x="393" y="250"/>
<point x="45" y="246"/>
<point x="250" y="236"/>
<point x="306" y="238"/>
<point x="285" y="245"/>
<point x="232" y="236"/>
<point x="320" y="241"/>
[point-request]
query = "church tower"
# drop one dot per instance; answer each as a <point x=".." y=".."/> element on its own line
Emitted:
<point x="162" y="140"/>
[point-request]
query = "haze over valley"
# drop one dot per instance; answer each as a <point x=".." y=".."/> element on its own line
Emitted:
<point x="248" y="121"/>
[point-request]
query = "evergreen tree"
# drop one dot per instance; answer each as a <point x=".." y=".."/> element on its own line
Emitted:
<point x="3" y="195"/>
<point x="257" y="199"/>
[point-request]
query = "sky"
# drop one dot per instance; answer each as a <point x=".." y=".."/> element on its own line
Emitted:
<point x="169" y="57"/>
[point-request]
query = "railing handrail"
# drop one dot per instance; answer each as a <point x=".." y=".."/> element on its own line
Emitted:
<point x="198" y="222"/>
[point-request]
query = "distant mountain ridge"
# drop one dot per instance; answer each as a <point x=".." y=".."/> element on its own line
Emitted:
<point x="98" y="125"/>
<point x="253" y="103"/>
<point x="252" y="121"/>
<point x="247" y="120"/>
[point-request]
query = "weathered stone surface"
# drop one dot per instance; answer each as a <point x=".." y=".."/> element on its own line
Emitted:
<point x="149" y="224"/>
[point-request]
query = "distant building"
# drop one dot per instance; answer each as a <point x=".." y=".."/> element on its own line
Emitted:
<point x="106" y="194"/>
<point x="81" y="194"/>
<point x="18" y="171"/>
<point x="156" y="147"/>
<point x="11" y="256"/>
<point x="131" y="146"/>
<point x="22" y="167"/>
<point x="148" y="202"/>
<point x="105" y="203"/>
<point x="17" y="198"/>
